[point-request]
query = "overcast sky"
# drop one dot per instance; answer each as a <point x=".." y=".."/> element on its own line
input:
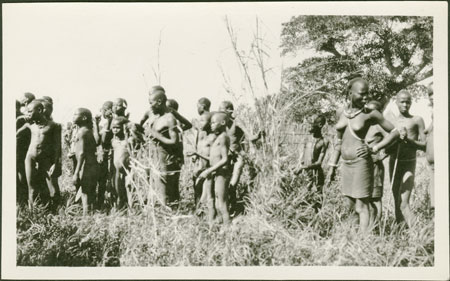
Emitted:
<point x="85" y="54"/>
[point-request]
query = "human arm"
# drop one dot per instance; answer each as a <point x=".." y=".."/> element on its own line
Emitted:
<point x="95" y="130"/>
<point x="195" y="154"/>
<point x="185" y="124"/>
<point x="22" y="129"/>
<point x="173" y="135"/>
<point x="335" y="157"/>
<point x="80" y="155"/>
<point x="144" y="118"/>
<point x="319" y="161"/>
<point x="57" y="166"/>
<point x="389" y="139"/>
<point x="257" y="137"/>
<point x="224" y="147"/>
<point x="106" y="134"/>
<point x="421" y="143"/>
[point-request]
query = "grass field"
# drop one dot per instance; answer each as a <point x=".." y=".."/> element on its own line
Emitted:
<point x="283" y="224"/>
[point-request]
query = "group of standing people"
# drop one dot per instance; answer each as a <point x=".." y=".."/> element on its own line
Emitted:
<point x="101" y="148"/>
<point x="362" y="135"/>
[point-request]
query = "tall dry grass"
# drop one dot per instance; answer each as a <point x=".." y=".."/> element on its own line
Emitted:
<point x="283" y="222"/>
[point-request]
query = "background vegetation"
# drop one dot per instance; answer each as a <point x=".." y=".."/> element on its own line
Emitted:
<point x="281" y="222"/>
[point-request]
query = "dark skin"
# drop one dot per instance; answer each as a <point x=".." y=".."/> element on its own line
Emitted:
<point x="412" y="138"/>
<point x="43" y="150"/>
<point x="121" y="160"/>
<point x="201" y="158"/>
<point x="56" y="168"/>
<point x="319" y="149"/>
<point x="22" y="143"/>
<point x="163" y="133"/>
<point x="146" y="116"/>
<point x="412" y="128"/>
<point x="219" y="159"/>
<point x="85" y="174"/>
<point x="103" y="124"/>
<point x="185" y="124"/>
<point x="351" y="148"/>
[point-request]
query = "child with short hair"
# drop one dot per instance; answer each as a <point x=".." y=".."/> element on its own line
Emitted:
<point x="42" y="152"/>
<point x="85" y="145"/>
<point x="219" y="169"/>
<point x="121" y="158"/>
<point x="201" y="159"/>
<point x="313" y="155"/>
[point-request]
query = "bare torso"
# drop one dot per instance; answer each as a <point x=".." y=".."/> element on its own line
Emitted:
<point x="161" y="124"/>
<point x="42" y="144"/>
<point x="88" y="147"/>
<point x="411" y="124"/>
<point x="313" y="150"/>
<point x="351" y="141"/>
<point x="236" y="136"/>
<point x="203" y="148"/>
<point x="121" y="153"/>
<point x="218" y="144"/>
<point x="374" y="135"/>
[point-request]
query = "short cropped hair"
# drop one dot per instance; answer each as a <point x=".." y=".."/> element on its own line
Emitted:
<point x="47" y="98"/>
<point x="205" y="101"/>
<point x="228" y="105"/>
<point x="172" y="104"/>
<point x="157" y="88"/>
<point x="355" y="80"/>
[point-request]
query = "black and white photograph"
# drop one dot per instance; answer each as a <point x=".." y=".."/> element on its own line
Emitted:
<point x="225" y="140"/>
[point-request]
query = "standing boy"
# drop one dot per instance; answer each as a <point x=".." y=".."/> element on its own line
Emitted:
<point x="42" y="153"/>
<point x="85" y="146"/>
<point x="237" y="137"/>
<point x="121" y="158"/>
<point x="313" y="155"/>
<point x="219" y="169"/>
<point x="56" y="168"/>
<point x="411" y="130"/>
<point x="201" y="158"/>
<point x="104" y="157"/>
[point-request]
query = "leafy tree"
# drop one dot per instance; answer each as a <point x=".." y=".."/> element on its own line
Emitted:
<point x="392" y="53"/>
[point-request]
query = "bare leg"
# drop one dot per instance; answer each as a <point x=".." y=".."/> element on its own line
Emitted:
<point x="209" y="197"/>
<point x="378" y="209"/>
<point x="53" y="190"/>
<point x="362" y="208"/>
<point x="220" y="190"/>
<point x="237" y="171"/>
<point x="161" y="186"/>
<point x="198" y="191"/>
<point x="396" y="190"/>
<point x="84" y="201"/>
<point x="102" y="179"/>
<point x="120" y="188"/>
<point x="405" y="194"/>
<point x="173" y="184"/>
<point x="350" y="206"/>
<point x="31" y="174"/>
<point x="21" y="182"/>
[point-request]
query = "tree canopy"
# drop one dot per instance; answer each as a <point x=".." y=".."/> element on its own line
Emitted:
<point x="391" y="52"/>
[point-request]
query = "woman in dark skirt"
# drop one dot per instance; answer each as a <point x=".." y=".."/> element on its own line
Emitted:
<point x="357" y="165"/>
